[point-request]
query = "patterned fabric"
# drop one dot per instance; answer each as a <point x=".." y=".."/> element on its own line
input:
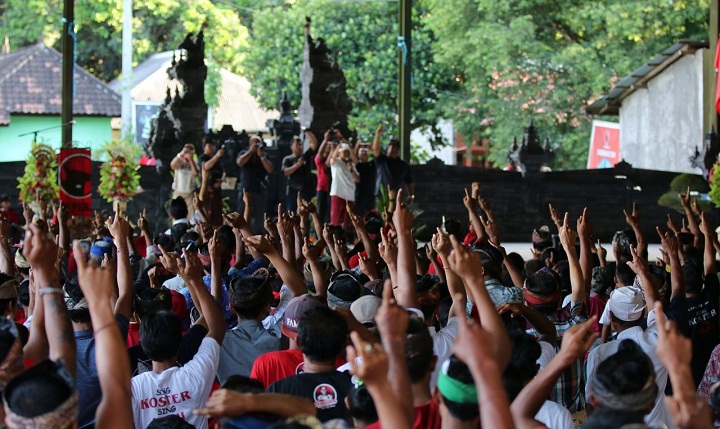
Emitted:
<point x="711" y="376"/>
<point x="61" y="417"/>
<point x="568" y="390"/>
<point x="501" y="294"/>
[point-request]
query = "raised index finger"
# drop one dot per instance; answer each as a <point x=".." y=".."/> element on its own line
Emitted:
<point x="78" y="255"/>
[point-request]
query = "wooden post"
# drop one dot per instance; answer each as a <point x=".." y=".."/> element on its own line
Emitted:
<point x="68" y="71"/>
<point x="404" y="76"/>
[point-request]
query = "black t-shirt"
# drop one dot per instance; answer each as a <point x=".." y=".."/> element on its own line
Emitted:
<point x="367" y="172"/>
<point x="703" y="321"/>
<point x="140" y="362"/>
<point x="252" y="174"/>
<point x="327" y="390"/>
<point x="301" y="177"/>
<point x="392" y="171"/>
<point x="216" y="172"/>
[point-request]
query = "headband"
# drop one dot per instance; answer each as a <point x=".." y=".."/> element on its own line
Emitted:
<point x="536" y="299"/>
<point x="455" y="390"/>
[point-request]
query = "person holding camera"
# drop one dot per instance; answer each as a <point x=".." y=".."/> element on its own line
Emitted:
<point x="254" y="166"/>
<point x="297" y="170"/>
<point x="344" y="180"/>
<point x="185" y="176"/>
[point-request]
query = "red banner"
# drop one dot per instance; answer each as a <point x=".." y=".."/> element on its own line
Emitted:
<point x="604" y="145"/>
<point x="75" y="180"/>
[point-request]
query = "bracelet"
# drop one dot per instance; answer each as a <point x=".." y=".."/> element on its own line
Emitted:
<point x="121" y="249"/>
<point x="105" y="326"/>
<point x="49" y="290"/>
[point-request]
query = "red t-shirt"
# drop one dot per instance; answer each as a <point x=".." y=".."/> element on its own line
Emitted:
<point x="133" y="336"/>
<point x="273" y="366"/>
<point x="323" y="178"/>
<point x="426" y="417"/>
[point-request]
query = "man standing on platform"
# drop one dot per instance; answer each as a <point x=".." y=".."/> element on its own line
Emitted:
<point x="254" y="166"/>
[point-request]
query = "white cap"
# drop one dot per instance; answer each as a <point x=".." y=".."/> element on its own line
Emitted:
<point x="627" y="303"/>
<point x="344" y="147"/>
<point x="365" y="308"/>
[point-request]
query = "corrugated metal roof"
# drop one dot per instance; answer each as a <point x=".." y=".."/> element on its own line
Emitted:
<point x="30" y="83"/>
<point x="236" y="105"/>
<point x="609" y="104"/>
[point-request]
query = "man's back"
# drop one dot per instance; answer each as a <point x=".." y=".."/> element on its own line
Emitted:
<point x="327" y="390"/>
<point x="242" y="345"/>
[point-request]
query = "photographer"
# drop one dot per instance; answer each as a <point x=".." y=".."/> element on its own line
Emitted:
<point x="185" y="176"/>
<point x="254" y="166"/>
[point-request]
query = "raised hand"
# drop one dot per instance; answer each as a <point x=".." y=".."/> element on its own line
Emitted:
<point x="601" y="251"/>
<point x="567" y="235"/>
<point x="705" y="226"/>
<point x="391" y="319"/>
<point x="97" y="283"/>
<point x="119" y="228"/>
<point x="236" y="220"/>
<point x="672" y="225"/>
<point x="685" y="198"/>
<point x="464" y="262"/>
<point x="491" y="229"/>
<point x="402" y="218"/>
<point x="473" y="343"/>
<point x="638" y="264"/>
<point x="260" y="244"/>
<point x="669" y="242"/>
<point x="632" y="217"/>
<point x="431" y="254"/>
<point x="555" y="215"/>
<point x="475" y="190"/>
<point x="206" y="231"/>
<point x="215" y="246"/>
<point x="373" y="366"/>
<point x="387" y="248"/>
<point x="284" y="224"/>
<point x="441" y="243"/>
<point x="577" y="341"/>
<point x="470" y="203"/>
<point x="310" y="251"/>
<point x="584" y="228"/>
<point x="39" y="250"/>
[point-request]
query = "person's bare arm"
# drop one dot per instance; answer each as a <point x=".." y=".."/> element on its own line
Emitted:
<point x="584" y="230"/>
<point x="406" y="293"/>
<point x="392" y="321"/>
<point x="288" y="170"/>
<point x="287" y="236"/>
<point x="710" y="242"/>
<point x="311" y="253"/>
<point x="238" y="222"/>
<point x="40" y="251"/>
<point x="441" y="243"/>
<point x="389" y="253"/>
<point x="226" y="403"/>
<point x="36" y="348"/>
<point x="191" y="273"/>
<point x="377" y="145"/>
<point x="538" y="320"/>
<point x="567" y="237"/>
<point x="289" y="274"/>
<point x="432" y="256"/>
<point x="692" y="221"/>
<point x="632" y="220"/>
<point x="113" y="364"/>
<point x="216" y="285"/>
<point x="687" y="409"/>
<point x="329" y="239"/>
<point x="468" y="266"/>
<point x="516" y="275"/>
<point x="210" y="163"/>
<point x="120" y="230"/>
<point x="312" y="140"/>
<point x="472" y="348"/>
<point x="576" y="342"/>
<point x="245" y="157"/>
<point x="671" y="246"/>
<point x="267" y="165"/>
<point x="555" y="216"/>
<point x="372" y="368"/>
<point x="472" y="205"/>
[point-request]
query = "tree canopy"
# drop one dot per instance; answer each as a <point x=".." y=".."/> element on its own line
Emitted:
<point x="545" y="60"/>
<point x="363" y="38"/>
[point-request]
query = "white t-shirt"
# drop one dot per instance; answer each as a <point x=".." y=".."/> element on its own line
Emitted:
<point x="184" y="182"/>
<point x="443" y="342"/>
<point x="178" y="390"/>
<point x="555" y="416"/>
<point x="343" y="183"/>
<point x="547" y="353"/>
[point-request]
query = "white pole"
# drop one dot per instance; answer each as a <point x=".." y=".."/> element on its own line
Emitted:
<point x="126" y="118"/>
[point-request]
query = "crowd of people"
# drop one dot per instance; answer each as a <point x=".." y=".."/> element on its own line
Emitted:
<point x="293" y="322"/>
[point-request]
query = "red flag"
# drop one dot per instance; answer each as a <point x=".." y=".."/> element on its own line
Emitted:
<point x="717" y="87"/>
<point x="74" y="177"/>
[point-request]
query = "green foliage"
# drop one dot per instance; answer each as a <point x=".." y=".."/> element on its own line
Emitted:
<point x="363" y="38"/>
<point x="158" y="25"/>
<point x="545" y="60"/>
<point x="418" y="154"/>
<point x="681" y="184"/>
<point x="714" y="193"/>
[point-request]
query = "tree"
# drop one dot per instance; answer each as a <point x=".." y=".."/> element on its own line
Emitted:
<point x="363" y="38"/>
<point x="547" y="59"/>
<point x="158" y="25"/>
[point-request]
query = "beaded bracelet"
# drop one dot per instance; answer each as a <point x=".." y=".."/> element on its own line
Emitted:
<point x="48" y="290"/>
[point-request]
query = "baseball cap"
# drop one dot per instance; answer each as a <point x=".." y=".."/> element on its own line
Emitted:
<point x="365" y="308"/>
<point x="294" y="312"/>
<point x="344" y="289"/>
<point x="627" y="304"/>
<point x="343" y="147"/>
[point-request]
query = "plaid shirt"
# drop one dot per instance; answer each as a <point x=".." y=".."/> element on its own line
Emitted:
<point x="568" y="390"/>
